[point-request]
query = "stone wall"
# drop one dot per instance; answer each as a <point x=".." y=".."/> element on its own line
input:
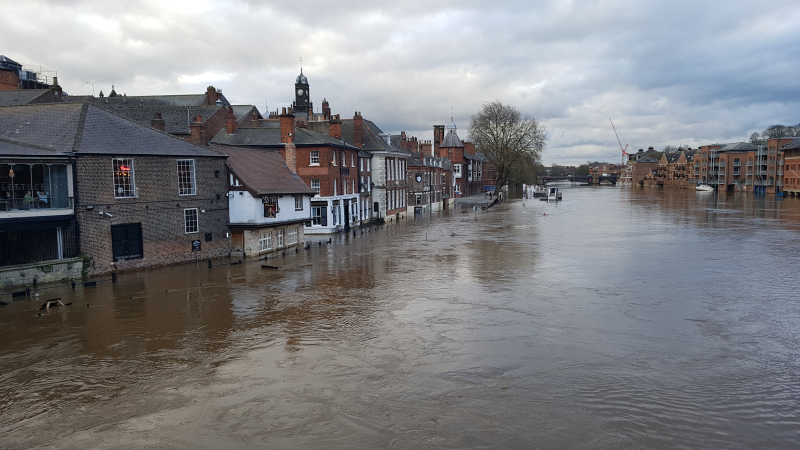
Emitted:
<point x="63" y="270"/>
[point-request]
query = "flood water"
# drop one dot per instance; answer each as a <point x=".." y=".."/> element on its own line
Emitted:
<point x="618" y="318"/>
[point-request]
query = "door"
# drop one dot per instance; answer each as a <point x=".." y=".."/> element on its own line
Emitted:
<point x="346" y="216"/>
<point x="126" y="241"/>
<point x="238" y="242"/>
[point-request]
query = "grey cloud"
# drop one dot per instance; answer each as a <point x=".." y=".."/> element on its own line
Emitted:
<point x="666" y="72"/>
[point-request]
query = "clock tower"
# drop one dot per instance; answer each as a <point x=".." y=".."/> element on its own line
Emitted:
<point x="302" y="98"/>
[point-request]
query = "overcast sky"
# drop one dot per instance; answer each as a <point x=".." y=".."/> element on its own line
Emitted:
<point x="667" y="72"/>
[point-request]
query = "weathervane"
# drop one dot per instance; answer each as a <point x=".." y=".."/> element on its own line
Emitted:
<point x="301" y="64"/>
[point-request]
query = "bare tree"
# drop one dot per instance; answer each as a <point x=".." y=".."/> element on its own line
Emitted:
<point x="507" y="137"/>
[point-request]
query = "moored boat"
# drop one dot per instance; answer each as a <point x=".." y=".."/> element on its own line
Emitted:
<point x="704" y="188"/>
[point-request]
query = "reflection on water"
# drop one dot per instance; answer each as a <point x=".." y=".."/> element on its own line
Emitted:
<point x="617" y="318"/>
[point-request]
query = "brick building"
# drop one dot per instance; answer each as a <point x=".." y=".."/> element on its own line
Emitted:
<point x="325" y="162"/>
<point x="467" y="167"/>
<point x="791" y="169"/>
<point x="142" y="198"/>
<point x="387" y="165"/>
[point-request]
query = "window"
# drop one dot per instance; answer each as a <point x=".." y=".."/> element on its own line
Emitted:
<point x="265" y="242"/>
<point x="298" y="202"/>
<point x="319" y="215"/>
<point x="126" y="241"/>
<point x="280" y="238"/>
<point x="457" y="168"/>
<point x="186" y="180"/>
<point x="292" y="236"/>
<point x="190" y="220"/>
<point x="334" y="187"/>
<point x="315" y="185"/>
<point x="334" y="158"/>
<point x="458" y="188"/>
<point x="361" y="162"/>
<point x="419" y="199"/>
<point x="353" y="159"/>
<point x="124" y="185"/>
<point x="314" y="157"/>
<point x="354" y="187"/>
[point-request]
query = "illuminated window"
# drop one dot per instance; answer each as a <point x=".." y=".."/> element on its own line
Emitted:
<point x="186" y="181"/>
<point x="124" y="184"/>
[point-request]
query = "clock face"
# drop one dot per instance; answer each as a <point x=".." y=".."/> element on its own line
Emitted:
<point x="300" y="92"/>
<point x="419" y="178"/>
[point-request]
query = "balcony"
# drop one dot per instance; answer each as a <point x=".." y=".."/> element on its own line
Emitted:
<point x="749" y="163"/>
<point x="722" y="164"/>
<point x="19" y="208"/>
<point x="737" y="164"/>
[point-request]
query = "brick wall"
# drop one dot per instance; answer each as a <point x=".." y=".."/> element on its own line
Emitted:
<point x="8" y="80"/>
<point x="158" y="208"/>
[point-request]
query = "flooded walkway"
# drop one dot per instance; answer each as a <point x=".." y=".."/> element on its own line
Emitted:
<point x="614" y="319"/>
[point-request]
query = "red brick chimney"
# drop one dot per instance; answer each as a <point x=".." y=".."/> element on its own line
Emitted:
<point x="336" y="127"/>
<point x="358" y="130"/>
<point x="438" y="137"/>
<point x="230" y="120"/>
<point x="211" y="96"/>
<point x="196" y="128"/>
<point x="158" y="123"/>
<point x="287" y="126"/>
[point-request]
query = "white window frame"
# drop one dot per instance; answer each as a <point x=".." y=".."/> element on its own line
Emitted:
<point x="292" y="237"/>
<point x="352" y="159"/>
<point x="265" y="241"/>
<point x="334" y="157"/>
<point x="187" y="221"/>
<point x="334" y="187"/>
<point x="192" y="180"/>
<point x="315" y="186"/>
<point x="280" y="238"/>
<point x="298" y="202"/>
<point x="122" y="188"/>
<point x="314" y="158"/>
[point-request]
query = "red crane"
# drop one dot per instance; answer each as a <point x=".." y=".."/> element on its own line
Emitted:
<point x="620" y="143"/>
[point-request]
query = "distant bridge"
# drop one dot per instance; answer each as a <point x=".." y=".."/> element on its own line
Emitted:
<point x="587" y="179"/>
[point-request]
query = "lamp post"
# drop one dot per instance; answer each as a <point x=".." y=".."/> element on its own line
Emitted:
<point x="13" y="200"/>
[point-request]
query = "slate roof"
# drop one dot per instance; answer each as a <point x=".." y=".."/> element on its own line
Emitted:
<point x="264" y="171"/>
<point x="647" y="159"/>
<point x="244" y="113"/>
<point x="86" y="129"/>
<point x="739" y="146"/>
<point x="16" y="149"/>
<point x="370" y="135"/>
<point x="271" y="137"/>
<point x="176" y="118"/>
<point x="21" y="96"/>
<point x="120" y="101"/>
<point x="451" y="140"/>
<point x="792" y="145"/>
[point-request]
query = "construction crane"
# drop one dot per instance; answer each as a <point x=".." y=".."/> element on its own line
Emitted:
<point x="620" y="143"/>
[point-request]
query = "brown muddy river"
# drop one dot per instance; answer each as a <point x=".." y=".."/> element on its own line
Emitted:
<point x="619" y="318"/>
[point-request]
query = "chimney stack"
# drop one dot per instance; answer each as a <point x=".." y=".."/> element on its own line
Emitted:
<point x="158" y="123"/>
<point x="438" y="137"/>
<point x="336" y="127"/>
<point x="358" y="130"/>
<point x="326" y="109"/>
<point x="196" y="131"/>
<point x="211" y="96"/>
<point x="230" y="120"/>
<point x="287" y="126"/>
